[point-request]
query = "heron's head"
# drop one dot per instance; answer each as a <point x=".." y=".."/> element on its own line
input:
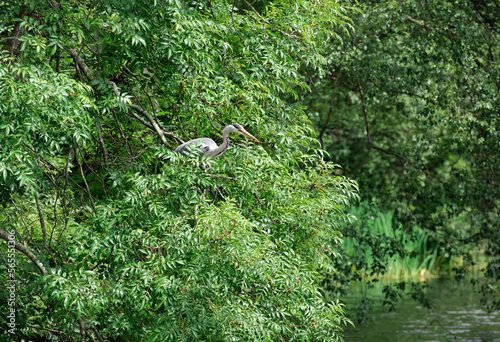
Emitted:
<point x="239" y="129"/>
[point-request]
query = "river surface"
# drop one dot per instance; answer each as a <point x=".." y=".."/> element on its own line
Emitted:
<point x="456" y="316"/>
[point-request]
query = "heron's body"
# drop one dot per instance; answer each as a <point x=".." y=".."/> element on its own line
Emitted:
<point x="208" y="147"/>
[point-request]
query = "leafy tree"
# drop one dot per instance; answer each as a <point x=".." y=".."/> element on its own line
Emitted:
<point x="409" y="105"/>
<point x="121" y="238"/>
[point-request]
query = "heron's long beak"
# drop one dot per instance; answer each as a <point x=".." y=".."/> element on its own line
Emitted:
<point x="242" y="131"/>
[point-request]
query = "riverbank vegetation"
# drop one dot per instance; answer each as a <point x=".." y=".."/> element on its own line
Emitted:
<point x="409" y="106"/>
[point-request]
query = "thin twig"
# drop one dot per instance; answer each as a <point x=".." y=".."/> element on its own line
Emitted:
<point x="83" y="177"/>
<point x="210" y="120"/>
<point x="49" y="176"/>
<point x="42" y="222"/>
<point x="367" y="123"/>
<point x="26" y="225"/>
<point x="267" y="22"/>
<point x="47" y="329"/>
<point x="330" y="111"/>
<point x="8" y="38"/>
<point x="127" y="146"/>
<point x="438" y="322"/>
<point x="101" y="141"/>
<point x="54" y="226"/>
<point x="54" y="4"/>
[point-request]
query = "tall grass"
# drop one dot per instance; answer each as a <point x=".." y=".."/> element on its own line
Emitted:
<point x="377" y="240"/>
<point x="378" y="247"/>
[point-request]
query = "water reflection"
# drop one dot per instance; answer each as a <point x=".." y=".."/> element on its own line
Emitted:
<point x="456" y="315"/>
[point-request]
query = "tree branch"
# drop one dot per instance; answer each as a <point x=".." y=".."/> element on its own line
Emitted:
<point x="94" y="328"/>
<point x="101" y="141"/>
<point x="417" y="22"/>
<point x="157" y="128"/>
<point x="81" y="64"/>
<point x="438" y="322"/>
<point x="127" y="145"/>
<point x="83" y="177"/>
<point x="367" y="123"/>
<point x="8" y="38"/>
<point x="83" y="330"/>
<point x="140" y="119"/>
<point x="54" y="4"/>
<point x="323" y="130"/>
<point x="152" y="124"/>
<point x="42" y="222"/>
<point x="21" y="248"/>
<point x="268" y="23"/>
<point x="13" y="42"/>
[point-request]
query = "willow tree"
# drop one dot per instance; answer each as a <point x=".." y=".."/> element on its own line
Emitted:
<point x="117" y="236"/>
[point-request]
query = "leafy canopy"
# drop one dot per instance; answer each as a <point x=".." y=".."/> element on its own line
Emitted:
<point x="133" y="241"/>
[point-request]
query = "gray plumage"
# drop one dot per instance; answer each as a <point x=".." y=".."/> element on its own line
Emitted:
<point x="208" y="147"/>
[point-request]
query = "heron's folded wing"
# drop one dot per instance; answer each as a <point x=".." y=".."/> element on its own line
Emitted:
<point x="192" y="145"/>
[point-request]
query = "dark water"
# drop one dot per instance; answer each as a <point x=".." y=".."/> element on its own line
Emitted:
<point x="456" y="315"/>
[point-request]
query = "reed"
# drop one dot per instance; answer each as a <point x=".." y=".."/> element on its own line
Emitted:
<point x="378" y="243"/>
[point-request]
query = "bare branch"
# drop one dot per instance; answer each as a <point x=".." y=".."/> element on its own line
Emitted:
<point x="152" y="124"/>
<point x="55" y="223"/>
<point x="42" y="222"/>
<point x="367" y="123"/>
<point x="84" y="179"/>
<point x="21" y="248"/>
<point x="157" y="128"/>
<point x="101" y="141"/>
<point x="47" y="329"/>
<point x="417" y="22"/>
<point x="91" y="338"/>
<point x="330" y="110"/>
<point x="44" y="229"/>
<point x="54" y="4"/>
<point x="127" y="145"/>
<point x="81" y="64"/>
<point x="8" y="38"/>
<point x="94" y="328"/>
<point x="49" y="176"/>
<point x="441" y="325"/>
<point x="140" y="119"/>
<point x="83" y="330"/>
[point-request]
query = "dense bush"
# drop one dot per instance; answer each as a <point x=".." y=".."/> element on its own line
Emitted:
<point x="120" y="238"/>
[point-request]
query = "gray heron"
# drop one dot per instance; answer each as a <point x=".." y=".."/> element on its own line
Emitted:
<point x="208" y="147"/>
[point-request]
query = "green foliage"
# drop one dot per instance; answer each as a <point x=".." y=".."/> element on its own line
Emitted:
<point x="226" y="253"/>
<point x="138" y="242"/>
<point x="409" y="106"/>
<point x="378" y="246"/>
<point x="58" y="108"/>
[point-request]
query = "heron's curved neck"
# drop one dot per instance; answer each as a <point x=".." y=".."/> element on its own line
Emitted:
<point x="225" y="144"/>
